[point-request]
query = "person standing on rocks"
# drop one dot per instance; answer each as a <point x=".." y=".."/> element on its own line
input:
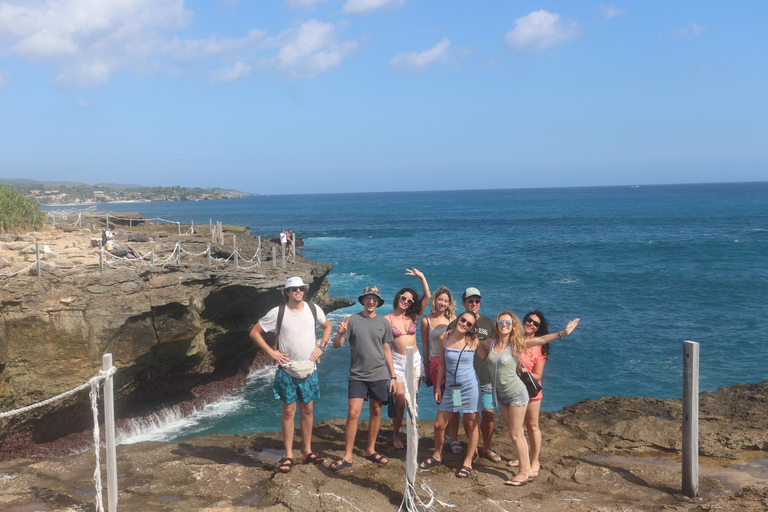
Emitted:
<point x="283" y="239"/>
<point x="295" y="352"/>
<point x="109" y="237"/>
<point x="371" y="373"/>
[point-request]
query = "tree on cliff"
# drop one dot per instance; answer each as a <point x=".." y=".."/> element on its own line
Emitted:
<point x="18" y="212"/>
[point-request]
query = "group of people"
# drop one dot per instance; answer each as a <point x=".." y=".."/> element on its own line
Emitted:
<point x="474" y="364"/>
<point x="286" y="241"/>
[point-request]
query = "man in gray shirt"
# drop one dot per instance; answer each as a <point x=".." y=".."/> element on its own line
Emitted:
<point x="371" y="373"/>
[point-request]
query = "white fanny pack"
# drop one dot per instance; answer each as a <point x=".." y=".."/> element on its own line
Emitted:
<point x="300" y="370"/>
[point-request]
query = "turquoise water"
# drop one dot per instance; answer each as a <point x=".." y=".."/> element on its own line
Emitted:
<point x="644" y="268"/>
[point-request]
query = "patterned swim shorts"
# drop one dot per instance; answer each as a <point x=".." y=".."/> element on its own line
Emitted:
<point x="289" y="389"/>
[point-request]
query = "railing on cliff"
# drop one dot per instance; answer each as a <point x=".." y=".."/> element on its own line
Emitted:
<point x="217" y="237"/>
<point x="106" y="375"/>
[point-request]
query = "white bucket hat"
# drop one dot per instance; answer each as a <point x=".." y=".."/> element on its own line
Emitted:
<point x="295" y="281"/>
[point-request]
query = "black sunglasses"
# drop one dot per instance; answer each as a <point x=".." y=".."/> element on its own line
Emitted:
<point x="473" y="301"/>
<point x="406" y="299"/>
<point x="466" y="322"/>
<point x="297" y="288"/>
<point x="532" y="321"/>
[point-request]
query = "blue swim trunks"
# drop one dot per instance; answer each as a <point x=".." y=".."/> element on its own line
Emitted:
<point x="289" y="389"/>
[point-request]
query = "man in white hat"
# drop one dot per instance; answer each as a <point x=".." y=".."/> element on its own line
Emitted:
<point x="295" y="352"/>
<point x="371" y="373"/>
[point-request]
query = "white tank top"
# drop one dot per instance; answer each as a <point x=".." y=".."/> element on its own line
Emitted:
<point x="434" y="339"/>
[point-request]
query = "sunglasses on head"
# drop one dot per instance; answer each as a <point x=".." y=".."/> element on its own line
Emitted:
<point x="530" y="320"/>
<point x="466" y="322"/>
<point x="504" y="322"/>
<point x="403" y="298"/>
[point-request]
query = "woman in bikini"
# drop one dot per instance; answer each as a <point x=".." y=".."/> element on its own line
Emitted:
<point x="502" y="354"/>
<point x="462" y="390"/>
<point x="407" y="307"/>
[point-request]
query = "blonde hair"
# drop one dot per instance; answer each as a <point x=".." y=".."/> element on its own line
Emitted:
<point x="450" y="311"/>
<point x="516" y="338"/>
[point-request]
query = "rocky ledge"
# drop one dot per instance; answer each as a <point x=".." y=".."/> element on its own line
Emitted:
<point x="611" y="454"/>
<point x="178" y="331"/>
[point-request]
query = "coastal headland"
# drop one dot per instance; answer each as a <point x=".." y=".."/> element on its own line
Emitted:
<point x="610" y="454"/>
<point x="178" y="330"/>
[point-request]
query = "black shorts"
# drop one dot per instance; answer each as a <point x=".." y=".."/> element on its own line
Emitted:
<point x="375" y="390"/>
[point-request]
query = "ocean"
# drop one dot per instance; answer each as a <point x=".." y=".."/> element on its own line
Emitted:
<point x="645" y="268"/>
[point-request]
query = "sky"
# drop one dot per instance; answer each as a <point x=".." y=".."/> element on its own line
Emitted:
<point x="314" y="96"/>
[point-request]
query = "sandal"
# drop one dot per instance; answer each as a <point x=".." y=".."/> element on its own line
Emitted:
<point x="378" y="458"/>
<point x="313" y="458"/>
<point x="430" y="462"/>
<point x="398" y="444"/>
<point x="491" y="455"/>
<point x="517" y="483"/>
<point x="456" y="447"/>
<point x="464" y="472"/>
<point x="513" y="463"/>
<point x="285" y="465"/>
<point x="339" y="464"/>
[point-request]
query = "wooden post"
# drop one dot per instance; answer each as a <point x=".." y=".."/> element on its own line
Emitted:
<point x="107" y="221"/>
<point x="130" y="223"/>
<point x="210" y="228"/>
<point x="192" y="228"/>
<point x="690" y="419"/>
<point x="236" y="256"/>
<point x="109" y="427"/>
<point x="152" y="257"/>
<point x="274" y="256"/>
<point x="293" y="248"/>
<point x="282" y="248"/>
<point x="37" y="255"/>
<point x="157" y="223"/>
<point x="178" y="252"/>
<point x="411" y="451"/>
<point x="221" y="233"/>
<point x="209" y="254"/>
<point x="178" y="224"/>
<point x="234" y="240"/>
<point x="101" y="257"/>
<point x="258" y="253"/>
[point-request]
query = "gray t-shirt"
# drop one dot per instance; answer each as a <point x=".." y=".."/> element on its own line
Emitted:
<point x="484" y="330"/>
<point x="367" y="337"/>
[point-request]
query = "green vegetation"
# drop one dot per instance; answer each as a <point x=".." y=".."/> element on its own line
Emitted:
<point x="18" y="212"/>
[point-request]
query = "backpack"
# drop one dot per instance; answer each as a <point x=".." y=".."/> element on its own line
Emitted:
<point x="104" y="237"/>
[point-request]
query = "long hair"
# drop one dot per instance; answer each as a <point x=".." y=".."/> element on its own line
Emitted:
<point x="542" y="330"/>
<point x="516" y="338"/>
<point x="471" y="335"/>
<point x="450" y="311"/>
<point x="414" y="310"/>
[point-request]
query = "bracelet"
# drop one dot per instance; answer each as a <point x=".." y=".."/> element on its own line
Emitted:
<point x="560" y="333"/>
<point x="391" y="378"/>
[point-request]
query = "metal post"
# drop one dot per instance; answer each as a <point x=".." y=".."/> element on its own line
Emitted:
<point x="221" y="233"/>
<point x="411" y="451"/>
<point x="152" y="257"/>
<point x="178" y="252"/>
<point x="178" y="224"/>
<point x="293" y="247"/>
<point x="258" y="253"/>
<point x="130" y="223"/>
<point x="690" y="419"/>
<point x="210" y="228"/>
<point x="101" y="257"/>
<point x="208" y="251"/>
<point x="274" y="256"/>
<point x="236" y="256"/>
<point x="37" y="255"/>
<point x="234" y="240"/>
<point x="109" y="426"/>
<point x="107" y="221"/>
<point x="282" y="249"/>
<point x="192" y="229"/>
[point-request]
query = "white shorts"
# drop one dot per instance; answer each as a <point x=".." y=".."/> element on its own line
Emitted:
<point x="399" y="360"/>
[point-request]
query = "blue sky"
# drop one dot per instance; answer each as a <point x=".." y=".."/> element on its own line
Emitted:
<point x="300" y="96"/>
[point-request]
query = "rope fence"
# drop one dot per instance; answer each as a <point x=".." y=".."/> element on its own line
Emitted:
<point x="106" y="375"/>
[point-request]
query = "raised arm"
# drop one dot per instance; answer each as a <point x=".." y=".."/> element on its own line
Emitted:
<point x="424" y="285"/>
<point x="549" y="338"/>
<point x="338" y="341"/>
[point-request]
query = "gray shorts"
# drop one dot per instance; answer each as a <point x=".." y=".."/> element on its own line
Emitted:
<point x="518" y="399"/>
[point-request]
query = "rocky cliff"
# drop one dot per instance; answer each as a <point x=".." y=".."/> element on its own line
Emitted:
<point x="178" y="332"/>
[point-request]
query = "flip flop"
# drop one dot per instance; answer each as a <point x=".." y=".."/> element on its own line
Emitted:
<point x="464" y="472"/>
<point x="456" y="447"/>
<point x="395" y="444"/>
<point x="430" y="462"/>
<point x="491" y="455"/>
<point x="313" y="458"/>
<point x="378" y="458"/>
<point x="513" y="463"/>
<point x="285" y="465"/>
<point x="517" y="483"/>
<point x="339" y="464"/>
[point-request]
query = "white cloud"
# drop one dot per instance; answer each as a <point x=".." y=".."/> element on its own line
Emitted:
<point x="309" y="50"/>
<point x="610" y="11"/>
<point x="690" y="30"/>
<point x="235" y="72"/>
<point x="82" y="103"/>
<point x="541" y="30"/>
<point x="306" y="4"/>
<point x="366" y="6"/>
<point x="420" y="60"/>
<point x="89" y="40"/>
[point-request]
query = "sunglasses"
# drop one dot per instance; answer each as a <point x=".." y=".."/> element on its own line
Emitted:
<point x="370" y="298"/>
<point x="530" y="320"/>
<point x="504" y="322"/>
<point x="297" y="288"/>
<point x="403" y="298"/>
<point x="466" y="322"/>
<point x="473" y="301"/>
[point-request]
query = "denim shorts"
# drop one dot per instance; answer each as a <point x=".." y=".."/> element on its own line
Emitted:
<point x="518" y="399"/>
<point x="487" y="399"/>
<point x="376" y="390"/>
<point x="289" y="389"/>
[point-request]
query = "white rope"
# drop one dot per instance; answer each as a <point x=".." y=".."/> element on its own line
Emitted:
<point x="102" y="375"/>
<point x="194" y="253"/>
<point x="249" y="267"/>
<point x="19" y="271"/>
